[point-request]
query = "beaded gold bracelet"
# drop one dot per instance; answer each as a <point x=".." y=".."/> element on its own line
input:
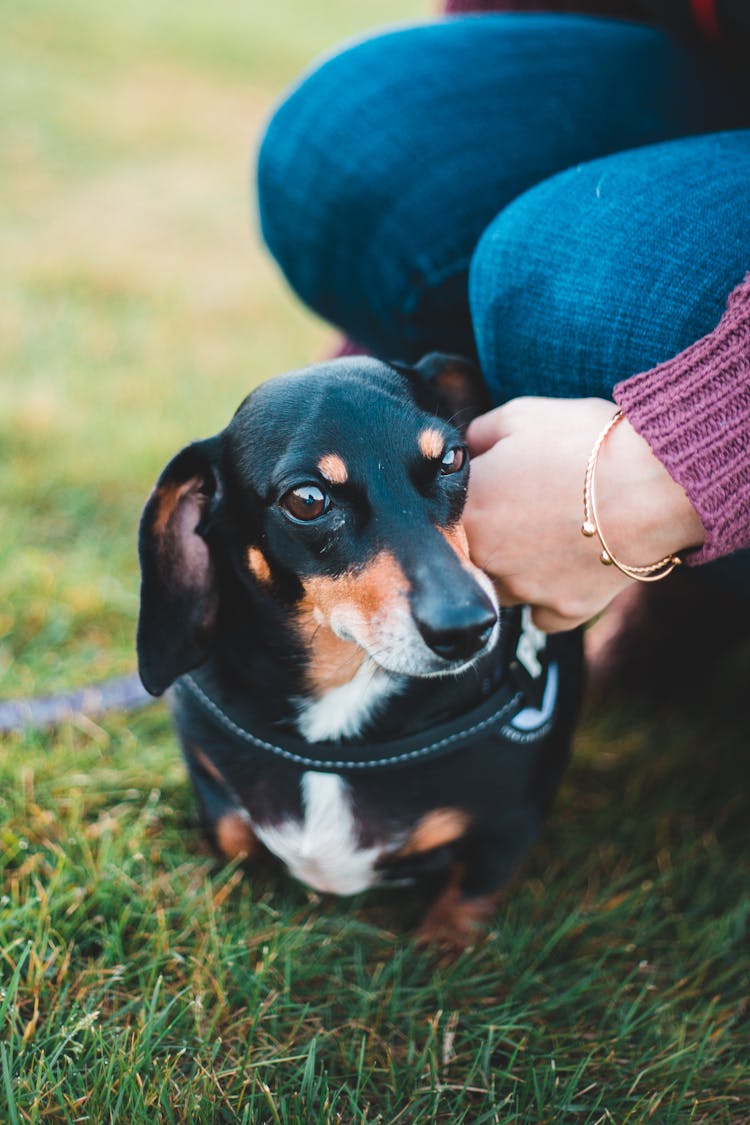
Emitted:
<point x="590" y="526"/>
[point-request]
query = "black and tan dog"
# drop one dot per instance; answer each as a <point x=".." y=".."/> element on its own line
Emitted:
<point x="347" y="693"/>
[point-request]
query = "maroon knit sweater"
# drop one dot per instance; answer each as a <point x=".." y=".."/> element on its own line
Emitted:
<point x="725" y="24"/>
<point x="693" y="410"/>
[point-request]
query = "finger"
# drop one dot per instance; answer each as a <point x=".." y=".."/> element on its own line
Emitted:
<point x="550" y="622"/>
<point x="486" y="430"/>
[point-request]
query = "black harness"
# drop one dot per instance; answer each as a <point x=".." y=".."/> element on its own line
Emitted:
<point x="521" y="708"/>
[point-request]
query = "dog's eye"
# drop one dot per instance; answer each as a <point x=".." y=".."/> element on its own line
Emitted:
<point x="452" y="460"/>
<point x="305" y="502"/>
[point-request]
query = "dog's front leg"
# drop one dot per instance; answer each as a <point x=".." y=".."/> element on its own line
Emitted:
<point x="471" y="894"/>
<point x="224" y="821"/>
<point x="455" y="920"/>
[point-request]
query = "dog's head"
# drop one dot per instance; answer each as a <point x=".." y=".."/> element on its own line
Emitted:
<point x="334" y="497"/>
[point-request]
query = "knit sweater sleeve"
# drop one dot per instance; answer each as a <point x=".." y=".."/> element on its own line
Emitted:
<point x="694" y="412"/>
<point x="720" y="24"/>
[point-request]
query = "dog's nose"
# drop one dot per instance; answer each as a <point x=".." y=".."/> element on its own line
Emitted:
<point x="457" y="632"/>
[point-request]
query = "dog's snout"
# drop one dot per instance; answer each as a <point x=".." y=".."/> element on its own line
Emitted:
<point x="457" y="631"/>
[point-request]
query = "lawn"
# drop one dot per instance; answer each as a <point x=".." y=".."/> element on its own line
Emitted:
<point x="139" y="981"/>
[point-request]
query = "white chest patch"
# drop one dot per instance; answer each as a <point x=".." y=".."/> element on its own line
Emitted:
<point x="321" y="849"/>
<point x="343" y="711"/>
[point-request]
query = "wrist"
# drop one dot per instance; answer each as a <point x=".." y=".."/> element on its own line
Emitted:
<point x="644" y="512"/>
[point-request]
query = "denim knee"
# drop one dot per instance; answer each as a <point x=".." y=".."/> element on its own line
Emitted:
<point x="312" y="174"/>
<point x="611" y="267"/>
<point x="331" y="172"/>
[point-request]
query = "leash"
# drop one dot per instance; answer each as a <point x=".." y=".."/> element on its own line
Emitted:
<point x="125" y="693"/>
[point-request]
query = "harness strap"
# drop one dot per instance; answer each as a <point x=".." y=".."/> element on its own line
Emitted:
<point x="385" y="754"/>
<point x="527" y="693"/>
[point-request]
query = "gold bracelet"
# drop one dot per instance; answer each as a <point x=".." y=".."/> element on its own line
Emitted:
<point x="590" y="526"/>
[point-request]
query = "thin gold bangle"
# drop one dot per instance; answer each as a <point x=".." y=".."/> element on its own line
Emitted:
<point x="654" y="572"/>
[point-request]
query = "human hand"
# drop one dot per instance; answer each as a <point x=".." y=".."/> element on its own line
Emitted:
<point x="525" y="506"/>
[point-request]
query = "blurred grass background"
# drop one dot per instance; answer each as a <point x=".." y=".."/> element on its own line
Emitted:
<point x="136" y="305"/>
<point x="138" y="981"/>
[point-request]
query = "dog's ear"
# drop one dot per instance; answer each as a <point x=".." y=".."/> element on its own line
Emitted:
<point x="179" y="596"/>
<point x="449" y="386"/>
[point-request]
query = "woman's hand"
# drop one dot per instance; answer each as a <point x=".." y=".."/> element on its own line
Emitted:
<point x="525" y="507"/>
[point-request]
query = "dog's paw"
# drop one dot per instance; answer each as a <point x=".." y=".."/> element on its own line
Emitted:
<point x="453" y="923"/>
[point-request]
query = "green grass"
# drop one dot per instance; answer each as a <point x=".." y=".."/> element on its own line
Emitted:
<point x="139" y="981"/>
<point x="143" y="982"/>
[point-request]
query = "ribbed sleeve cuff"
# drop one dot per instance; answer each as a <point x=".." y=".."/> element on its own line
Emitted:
<point x="694" y="412"/>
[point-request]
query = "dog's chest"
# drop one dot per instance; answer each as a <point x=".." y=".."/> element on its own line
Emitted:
<point x="343" y="711"/>
<point x="321" y="848"/>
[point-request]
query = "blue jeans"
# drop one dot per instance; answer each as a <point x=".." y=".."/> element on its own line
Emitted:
<point x="566" y="198"/>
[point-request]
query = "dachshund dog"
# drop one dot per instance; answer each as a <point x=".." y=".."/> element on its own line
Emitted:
<point x="347" y="692"/>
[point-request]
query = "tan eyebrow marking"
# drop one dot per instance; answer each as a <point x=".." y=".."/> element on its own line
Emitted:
<point x="258" y="564"/>
<point x="333" y="468"/>
<point x="431" y="443"/>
